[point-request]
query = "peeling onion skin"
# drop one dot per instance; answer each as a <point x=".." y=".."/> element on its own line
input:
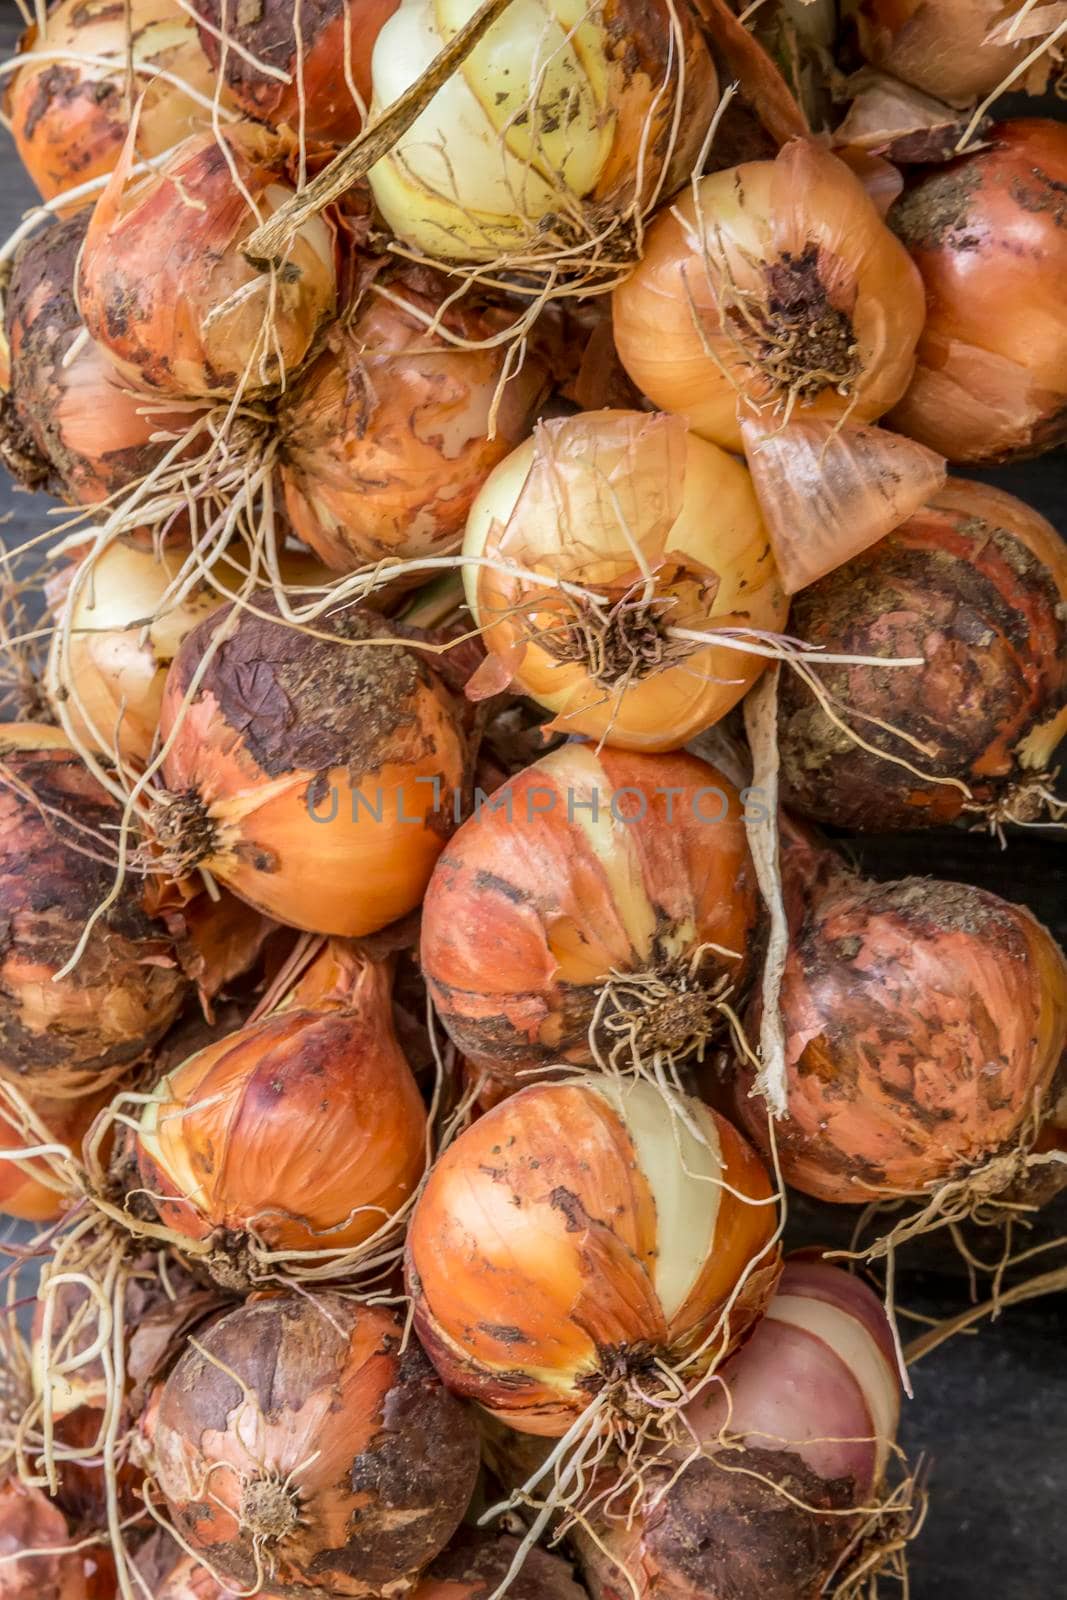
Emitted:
<point x="331" y="114"/>
<point x="386" y="437"/>
<point x="72" y="1036"/>
<point x="815" y="1403"/>
<point x="281" y="726"/>
<point x="78" y="429"/>
<point x="554" y="1249"/>
<point x="70" y="118"/>
<point x="526" y="919"/>
<point x="163" y="254"/>
<point x="976" y="584"/>
<point x="924" y="1023"/>
<point x="938" y="45"/>
<point x="29" y="1520"/>
<point x="987" y="235"/>
<point x="474" y="1564"/>
<point x="397" y="1455"/>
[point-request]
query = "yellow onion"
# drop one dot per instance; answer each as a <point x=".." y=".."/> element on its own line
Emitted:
<point x="69" y="100"/>
<point x="164" y="286"/>
<point x="561" y="120"/>
<point x="71" y="1035"/>
<point x="663" y="532"/>
<point x="312" y="773"/>
<point x="939" y="46"/>
<point x="577" y="1234"/>
<point x="303" y="1132"/>
<point x="773" y="286"/>
<point x="385" y="440"/>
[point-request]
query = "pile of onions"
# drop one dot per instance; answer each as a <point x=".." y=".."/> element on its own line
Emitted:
<point x="71" y="422"/>
<point x="924" y="1023"/>
<point x="306" y="66"/>
<point x="313" y="773"/>
<point x="796" y="1430"/>
<point x="303" y="1443"/>
<point x="583" y="1242"/>
<point x="31" y="1190"/>
<point x="582" y="871"/>
<point x="69" y="100"/>
<point x="164" y="286"/>
<point x="987" y="234"/>
<point x="555" y="125"/>
<point x="771" y="286"/>
<point x="975" y="584"/>
<point x="303" y="1132"/>
<point x="386" y="439"/>
<point x="939" y="46"/>
<point x="661" y="531"/>
<point x="69" y="1036"/>
<point x="29" y="1521"/>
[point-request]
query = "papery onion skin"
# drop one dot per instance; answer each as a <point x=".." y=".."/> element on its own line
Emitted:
<point x="70" y="117"/>
<point x="71" y="1036"/>
<point x="938" y="45"/>
<point x="77" y="428"/>
<point x="311" y="43"/>
<point x="475" y="1564"/>
<point x="924" y="1022"/>
<point x="557" y="1247"/>
<point x="23" y="1193"/>
<point x="316" y="780"/>
<point x="385" y="440"/>
<point x="534" y="904"/>
<point x="165" y="288"/>
<point x="385" y="1460"/>
<point x="305" y="1129"/>
<point x="624" y="478"/>
<point x="30" y="1521"/>
<point x="811" y="1404"/>
<point x="820" y="273"/>
<point x="601" y="131"/>
<point x="987" y="235"/>
<point x="976" y="585"/>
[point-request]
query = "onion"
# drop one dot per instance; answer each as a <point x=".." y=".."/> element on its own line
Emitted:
<point x="924" y="1023"/>
<point x="27" y="1189"/>
<point x="386" y="440"/>
<point x="939" y="46"/>
<point x="661" y="531"/>
<point x="987" y="235"/>
<point x="315" y="779"/>
<point x="68" y="101"/>
<point x="71" y="423"/>
<point x="796" y="1430"/>
<point x="164" y="286"/>
<point x="975" y="583"/>
<point x="303" y="1133"/>
<point x="303" y="1445"/>
<point x="69" y="1036"/>
<point x="598" y="903"/>
<point x="323" y="47"/>
<point x="579" y="1240"/>
<point x="559" y="127"/>
<point x="29" y="1521"/>
<point x="474" y="1565"/>
<point x="772" y="286"/>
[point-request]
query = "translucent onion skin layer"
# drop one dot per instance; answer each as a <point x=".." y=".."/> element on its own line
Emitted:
<point x="804" y="248"/>
<point x="385" y="1460"/>
<point x="939" y="45"/>
<point x="536" y="900"/>
<point x="976" y="584"/>
<point x="924" y="1024"/>
<point x="811" y="1405"/>
<point x="987" y="235"/>
<point x="558" y="108"/>
<point x="571" y="503"/>
<point x="70" y="114"/>
<point x="560" y="1242"/>
<point x="316" y="779"/>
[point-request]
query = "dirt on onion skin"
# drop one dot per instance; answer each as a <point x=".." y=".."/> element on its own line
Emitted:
<point x="937" y="206"/>
<point x="478" y="1563"/>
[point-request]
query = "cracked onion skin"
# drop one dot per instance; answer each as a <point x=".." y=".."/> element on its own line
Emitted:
<point x="563" y="1242"/>
<point x="383" y="1459"/>
<point x="924" y="1024"/>
<point x="533" y="904"/>
<point x="284" y="729"/>
<point x="976" y="584"/>
<point x="71" y="1036"/>
<point x="987" y="234"/>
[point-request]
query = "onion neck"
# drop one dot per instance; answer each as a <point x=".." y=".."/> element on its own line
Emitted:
<point x="801" y="342"/>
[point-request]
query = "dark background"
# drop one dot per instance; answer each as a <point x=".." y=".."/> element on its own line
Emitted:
<point x="990" y="1410"/>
